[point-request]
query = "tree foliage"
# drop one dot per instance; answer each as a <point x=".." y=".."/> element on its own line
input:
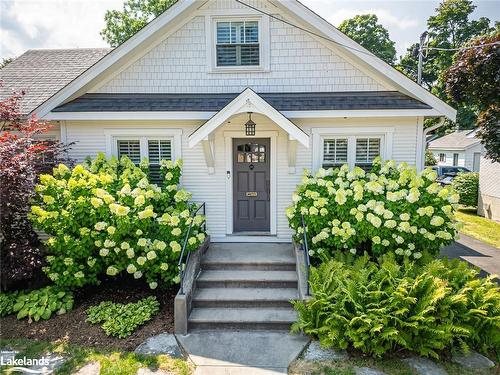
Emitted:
<point x="122" y="24"/>
<point x="366" y="30"/>
<point x="430" y="160"/>
<point x="22" y="158"/>
<point x="451" y="27"/>
<point x="489" y="131"/>
<point x="474" y="79"/>
<point x="6" y="61"/>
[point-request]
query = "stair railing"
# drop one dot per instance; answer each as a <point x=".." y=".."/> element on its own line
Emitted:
<point x="184" y="263"/>
<point x="305" y="248"/>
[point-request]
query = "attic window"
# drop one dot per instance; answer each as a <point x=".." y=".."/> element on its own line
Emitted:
<point x="238" y="43"/>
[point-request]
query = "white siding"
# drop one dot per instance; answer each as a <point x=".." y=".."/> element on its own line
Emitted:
<point x="299" y="62"/>
<point x="465" y="157"/>
<point x="489" y="189"/>
<point x="210" y="188"/>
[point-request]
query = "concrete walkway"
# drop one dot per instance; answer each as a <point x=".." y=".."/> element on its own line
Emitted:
<point x="242" y="352"/>
<point x="475" y="252"/>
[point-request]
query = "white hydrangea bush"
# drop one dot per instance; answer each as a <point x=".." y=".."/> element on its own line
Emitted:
<point x="105" y="218"/>
<point x="391" y="209"/>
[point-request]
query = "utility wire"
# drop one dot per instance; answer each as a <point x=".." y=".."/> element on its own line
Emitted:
<point x="346" y="46"/>
<point x="461" y="48"/>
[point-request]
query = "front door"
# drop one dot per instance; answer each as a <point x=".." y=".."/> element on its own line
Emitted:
<point x="251" y="194"/>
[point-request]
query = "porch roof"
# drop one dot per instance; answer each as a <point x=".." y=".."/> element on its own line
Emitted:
<point x="214" y="102"/>
<point x="248" y="101"/>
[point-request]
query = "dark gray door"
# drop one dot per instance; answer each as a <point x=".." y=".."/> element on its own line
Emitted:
<point x="251" y="194"/>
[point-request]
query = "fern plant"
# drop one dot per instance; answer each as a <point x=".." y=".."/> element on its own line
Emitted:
<point x="385" y="306"/>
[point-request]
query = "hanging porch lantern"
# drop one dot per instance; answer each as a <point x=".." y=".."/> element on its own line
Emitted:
<point x="250" y="126"/>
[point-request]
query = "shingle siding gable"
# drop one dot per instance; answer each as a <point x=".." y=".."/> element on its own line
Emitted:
<point x="298" y="63"/>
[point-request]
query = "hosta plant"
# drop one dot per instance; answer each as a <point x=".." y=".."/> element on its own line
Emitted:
<point x="106" y="218"/>
<point x="392" y="209"/>
<point x="122" y="320"/>
<point x="384" y="306"/>
<point x="7" y="301"/>
<point x="42" y="303"/>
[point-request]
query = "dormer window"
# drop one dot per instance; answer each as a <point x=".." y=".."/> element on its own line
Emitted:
<point x="238" y="43"/>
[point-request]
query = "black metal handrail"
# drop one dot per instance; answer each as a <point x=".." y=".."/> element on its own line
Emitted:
<point x="183" y="264"/>
<point x="305" y="247"/>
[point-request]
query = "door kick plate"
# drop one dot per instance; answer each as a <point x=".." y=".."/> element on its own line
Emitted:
<point x="251" y="194"/>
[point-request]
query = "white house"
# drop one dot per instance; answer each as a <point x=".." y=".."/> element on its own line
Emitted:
<point x="489" y="190"/>
<point x="460" y="149"/>
<point x="248" y="93"/>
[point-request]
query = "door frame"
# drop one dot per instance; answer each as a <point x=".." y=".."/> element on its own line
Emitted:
<point x="228" y="140"/>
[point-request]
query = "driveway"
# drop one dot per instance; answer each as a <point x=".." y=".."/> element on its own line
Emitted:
<point x="475" y="252"/>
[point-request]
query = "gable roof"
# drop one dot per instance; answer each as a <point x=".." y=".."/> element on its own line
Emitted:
<point x="184" y="10"/>
<point x="457" y="140"/>
<point x="214" y="102"/>
<point x="248" y="101"/>
<point x="42" y="73"/>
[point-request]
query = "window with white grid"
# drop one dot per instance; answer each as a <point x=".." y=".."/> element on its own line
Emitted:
<point x="237" y="43"/>
<point x="334" y="152"/>
<point x="130" y="148"/>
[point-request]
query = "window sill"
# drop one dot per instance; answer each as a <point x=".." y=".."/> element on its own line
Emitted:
<point x="238" y="69"/>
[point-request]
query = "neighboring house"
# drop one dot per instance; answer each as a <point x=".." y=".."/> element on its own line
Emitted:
<point x="246" y="100"/>
<point x="460" y="149"/>
<point x="489" y="190"/>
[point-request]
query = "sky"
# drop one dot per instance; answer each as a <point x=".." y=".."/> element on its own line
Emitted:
<point x="28" y="24"/>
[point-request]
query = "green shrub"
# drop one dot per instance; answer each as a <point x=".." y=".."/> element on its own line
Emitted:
<point x="122" y="320"/>
<point x="467" y="186"/>
<point x="7" y="301"/>
<point x="42" y="303"/>
<point x="392" y="209"/>
<point x="385" y="306"/>
<point x="430" y="159"/>
<point x="106" y="218"/>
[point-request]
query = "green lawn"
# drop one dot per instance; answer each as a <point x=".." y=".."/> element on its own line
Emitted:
<point x="112" y="362"/>
<point x="483" y="229"/>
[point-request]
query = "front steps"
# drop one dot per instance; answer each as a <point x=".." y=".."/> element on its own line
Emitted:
<point x="245" y="287"/>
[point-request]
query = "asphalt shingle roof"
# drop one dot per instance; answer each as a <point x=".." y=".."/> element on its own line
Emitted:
<point x="457" y="140"/>
<point x="42" y="73"/>
<point x="215" y="102"/>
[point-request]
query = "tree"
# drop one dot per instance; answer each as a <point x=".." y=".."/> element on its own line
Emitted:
<point x="121" y="25"/>
<point x="474" y="79"/>
<point x="430" y="160"/>
<point x="451" y="27"/>
<point x="22" y="158"/>
<point x="366" y="30"/>
<point x="6" y="61"/>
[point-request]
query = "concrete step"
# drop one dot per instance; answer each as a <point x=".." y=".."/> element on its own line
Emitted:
<point x="249" y="257"/>
<point x="247" y="279"/>
<point x="244" y="297"/>
<point x="242" y="318"/>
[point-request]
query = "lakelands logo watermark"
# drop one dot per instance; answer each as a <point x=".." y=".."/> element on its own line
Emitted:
<point x="24" y="364"/>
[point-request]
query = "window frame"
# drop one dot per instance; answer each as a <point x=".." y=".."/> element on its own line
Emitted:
<point x="442" y="157"/>
<point x="264" y="43"/>
<point x="143" y="135"/>
<point x="385" y="134"/>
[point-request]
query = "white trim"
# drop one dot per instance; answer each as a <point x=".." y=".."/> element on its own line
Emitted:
<point x="264" y="42"/>
<point x="64" y="131"/>
<point x="112" y="135"/>
<point x="208" y="115"/>
<point x="129" y="115"/>
<point x="187" y="8"/>
<point x="420" y="152"/>
<point x="228" y="143"/>
<point x="386" y="135"/>
<point x="248" y="101"/>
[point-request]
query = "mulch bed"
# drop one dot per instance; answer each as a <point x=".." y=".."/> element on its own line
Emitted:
<point x="72" y="327"/>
